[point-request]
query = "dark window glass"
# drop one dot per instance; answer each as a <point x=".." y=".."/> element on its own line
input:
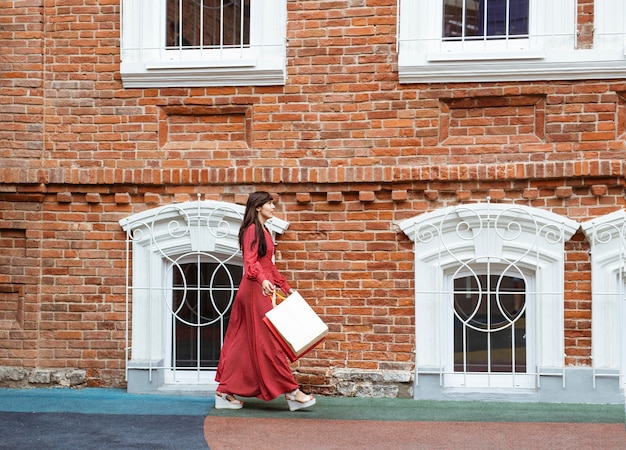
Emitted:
<point x="485" y="19"/>
<point x="208" y="23"/>
<point x="489" y="324"/>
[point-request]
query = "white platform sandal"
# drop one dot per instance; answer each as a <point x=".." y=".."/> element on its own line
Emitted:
<point x="294" y="404"/>
<point x="227" y="401"/>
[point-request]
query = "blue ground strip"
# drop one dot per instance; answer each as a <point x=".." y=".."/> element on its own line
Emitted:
<point x="62" y="431"/>
<point x="102" y="401"/>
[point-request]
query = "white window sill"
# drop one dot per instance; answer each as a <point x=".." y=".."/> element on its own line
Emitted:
<point x="561" y="65"/>
<point x="177" y="74"/>
<point x="161" y="65"/>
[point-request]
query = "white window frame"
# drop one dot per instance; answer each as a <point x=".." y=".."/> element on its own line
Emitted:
<point x="146" y="62"/>
<point x="538" y="248"/>
<point x="550" y="52"/>
<point x="607" y="235"/>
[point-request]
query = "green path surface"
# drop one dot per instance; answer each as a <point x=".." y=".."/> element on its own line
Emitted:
<point x="342" y="408"/>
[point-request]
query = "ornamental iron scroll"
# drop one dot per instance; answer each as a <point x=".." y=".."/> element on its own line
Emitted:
<point x="185" y="232"/>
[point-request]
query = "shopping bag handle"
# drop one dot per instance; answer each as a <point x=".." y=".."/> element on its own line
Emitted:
<point x="276" y="294"/>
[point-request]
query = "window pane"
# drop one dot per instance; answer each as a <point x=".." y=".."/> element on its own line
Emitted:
<point x="518" y="17"/>
<point x="183" y="23"/>
<point x="489" y="324"/>
<point x="208" y="23"/>
<point x="496" y="17"/>
<point x="465" y="19"/>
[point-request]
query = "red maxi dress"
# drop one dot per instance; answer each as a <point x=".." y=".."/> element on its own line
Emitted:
<point x="252" y="362"/>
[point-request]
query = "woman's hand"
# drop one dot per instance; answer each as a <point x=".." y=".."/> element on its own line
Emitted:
<point x="268" y="289"/>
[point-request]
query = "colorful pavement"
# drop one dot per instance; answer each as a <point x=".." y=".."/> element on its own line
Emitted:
<point x="113" y="419"/>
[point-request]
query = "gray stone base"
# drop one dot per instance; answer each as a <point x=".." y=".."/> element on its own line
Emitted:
<point x="373" y="383"/>
<point x="145" y="379"/>
<point x="18" y="377"/>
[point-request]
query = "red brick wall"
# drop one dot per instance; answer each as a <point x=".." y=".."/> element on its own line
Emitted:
<point x="585" y="24"/>
<point x="347" y="147"/>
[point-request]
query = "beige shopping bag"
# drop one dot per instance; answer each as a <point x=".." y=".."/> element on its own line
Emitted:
<point x="296" y="326"/>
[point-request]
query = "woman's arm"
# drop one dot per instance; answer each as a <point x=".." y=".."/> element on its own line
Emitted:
<point x="251" y="265"/>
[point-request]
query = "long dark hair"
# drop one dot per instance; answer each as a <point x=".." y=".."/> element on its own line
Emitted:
<point x="250" y="217"/>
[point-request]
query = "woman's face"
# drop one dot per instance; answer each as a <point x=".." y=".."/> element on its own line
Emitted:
<point x="266" y="211"/>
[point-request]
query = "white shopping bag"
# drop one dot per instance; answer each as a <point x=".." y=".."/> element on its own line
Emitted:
<point x="297" y="327"/>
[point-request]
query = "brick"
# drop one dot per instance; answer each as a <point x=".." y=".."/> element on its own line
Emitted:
<point x="303" y="197"/>
<point x="92" y="197"/>
<point x="151" y="198"/>
<point x="334" y="197"/>
<point x="241" y="199"/>
<point x="367" y="196"/>
<point x="496" y="194"/>
<point x="64" y="197"/>
<point x="122" y="198"/>
<point x="399" y="196"/>
<point x="530" y="194"/>
<point x="599" y="190"/>
<point x="564" y="192"/>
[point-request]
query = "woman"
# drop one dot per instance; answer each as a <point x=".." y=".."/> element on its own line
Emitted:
<point x="252" y="362"/>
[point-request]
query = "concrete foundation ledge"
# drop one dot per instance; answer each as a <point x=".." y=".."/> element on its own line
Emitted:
<point x="373" y="383"/>
<point x="576" y="385"/>
<point x="24" y="377"/>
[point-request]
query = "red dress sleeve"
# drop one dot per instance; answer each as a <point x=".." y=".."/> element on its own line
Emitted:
<point x="261" y="270"/>
<point x="251" y="265"/>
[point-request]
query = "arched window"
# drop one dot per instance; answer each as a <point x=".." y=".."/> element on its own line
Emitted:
<point x="489" y="294"/>
<point x="185" y="271"/>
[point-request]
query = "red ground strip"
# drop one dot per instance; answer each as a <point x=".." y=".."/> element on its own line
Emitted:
<point x="304" y="434"/>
